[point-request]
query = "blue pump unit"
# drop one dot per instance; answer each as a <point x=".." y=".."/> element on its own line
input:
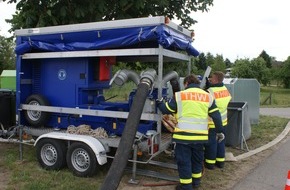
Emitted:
<point x="76" y="83"/>
<point x="70" y="66"/>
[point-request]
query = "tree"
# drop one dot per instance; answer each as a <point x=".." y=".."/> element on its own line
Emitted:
<point x="39" y="13"/>
<point x="256" y="68"/>
<point x="266" y="58"/>
<point x="276" y="75"/>
<point x="219" y="64"/>
<point x="285" y="74"/>
<point x="7" y="56"/>
<point x="260" y="70"/>
<point x="201" y="62"/>
<point x="228" y="63"/>
<point x="241" y="69"/>
<point x="209" y="59"/>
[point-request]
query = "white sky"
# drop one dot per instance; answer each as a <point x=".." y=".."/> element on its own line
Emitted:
<point x="244" y="28"/>
<point x="6" y="11"/>
<point x="233" y="28"/>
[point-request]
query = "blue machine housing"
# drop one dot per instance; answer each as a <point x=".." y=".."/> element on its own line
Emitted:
<point x="75" y="83"/>
<point x="79" y="82"/>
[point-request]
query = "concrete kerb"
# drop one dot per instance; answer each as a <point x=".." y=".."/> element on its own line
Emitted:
<point x="230" y="157"/>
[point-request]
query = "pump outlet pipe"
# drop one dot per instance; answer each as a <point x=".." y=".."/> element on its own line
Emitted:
<point x="123" y="75"/>
<point x="119" y="163"/>
<point x="173" y="77"/>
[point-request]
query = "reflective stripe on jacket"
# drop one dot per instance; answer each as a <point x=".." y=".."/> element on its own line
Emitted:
<point x="192" y="115"/>
<point x="222" y="98"/>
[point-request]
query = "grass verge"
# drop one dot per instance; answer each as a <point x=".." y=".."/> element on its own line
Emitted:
<point x="28" y="175"/>
<point x="279" y="97"/>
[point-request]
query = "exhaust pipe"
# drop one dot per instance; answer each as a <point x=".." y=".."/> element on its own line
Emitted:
<point x="113" y="178"/>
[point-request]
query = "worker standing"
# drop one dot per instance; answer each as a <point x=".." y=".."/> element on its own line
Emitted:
<point x="214" y="151"/>
<point x="192" y="107"/>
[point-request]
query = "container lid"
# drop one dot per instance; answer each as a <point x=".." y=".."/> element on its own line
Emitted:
<point x="10" y="73"/>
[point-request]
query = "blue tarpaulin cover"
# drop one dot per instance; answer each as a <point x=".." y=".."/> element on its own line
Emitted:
<point x="135" y="37"/>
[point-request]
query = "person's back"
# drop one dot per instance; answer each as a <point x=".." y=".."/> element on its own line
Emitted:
<point x="192" y="107"/>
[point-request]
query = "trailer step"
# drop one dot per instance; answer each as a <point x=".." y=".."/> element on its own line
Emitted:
<point x="163" y="164"/>
<point x="151" y="173"/>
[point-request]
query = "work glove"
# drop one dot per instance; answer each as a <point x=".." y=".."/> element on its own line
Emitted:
<point x="207" y="83"/>
<point x="220" y="137"/>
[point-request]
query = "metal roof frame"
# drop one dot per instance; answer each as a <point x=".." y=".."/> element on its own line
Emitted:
<point x="124" y="23"/>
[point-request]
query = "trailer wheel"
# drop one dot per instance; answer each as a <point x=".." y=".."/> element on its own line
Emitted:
<point x="51" y="154"/>
<point x="36" y="118"/>
<point x="81" y="160"/>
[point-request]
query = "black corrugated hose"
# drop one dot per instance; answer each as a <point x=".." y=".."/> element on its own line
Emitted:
<point x="119" y="163"/>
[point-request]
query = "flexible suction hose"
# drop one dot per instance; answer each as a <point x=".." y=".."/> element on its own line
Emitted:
<point x="119" y="163"/>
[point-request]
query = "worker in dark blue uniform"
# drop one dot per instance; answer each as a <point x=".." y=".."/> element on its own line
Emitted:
<point x="214" y="151"/>
<point x="191" y="107"/>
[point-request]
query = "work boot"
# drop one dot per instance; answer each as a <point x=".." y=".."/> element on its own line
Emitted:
<point x="209" y="166"/>
<point x="180" y="187"/>
<point x="195" y="183"/>
<point x="195" y="187"/>
<point x="220" y="164"/>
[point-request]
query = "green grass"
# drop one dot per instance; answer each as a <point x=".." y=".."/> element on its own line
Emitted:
<point x="27" y="174"/>
<point x="119" y="93"/>
<point x="280" y="97"/>
<point x="268" y="129"/>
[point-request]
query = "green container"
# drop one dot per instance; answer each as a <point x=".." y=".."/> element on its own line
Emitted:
<point x="8" y="79"/>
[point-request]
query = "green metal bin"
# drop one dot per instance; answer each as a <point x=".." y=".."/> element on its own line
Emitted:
<point x="8" y="79"/>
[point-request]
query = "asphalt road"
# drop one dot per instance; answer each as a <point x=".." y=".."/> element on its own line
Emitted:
<point x="281" y="112"/>
<point x="271" y="173"/>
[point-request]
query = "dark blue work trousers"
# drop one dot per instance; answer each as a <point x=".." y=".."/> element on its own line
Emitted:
<point x="221" y="149"/>
<point x="214" y="151"/>
<point x="210" y="151"/>
<point x="189" y="158"/>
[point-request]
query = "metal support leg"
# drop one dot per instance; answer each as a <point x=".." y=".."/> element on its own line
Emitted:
<point x="244" y="141"/>
<point x="20" y="144"/>
<point x="134" y="169"/>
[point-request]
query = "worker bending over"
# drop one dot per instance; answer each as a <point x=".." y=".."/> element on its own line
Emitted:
<point x="192" y="107"/>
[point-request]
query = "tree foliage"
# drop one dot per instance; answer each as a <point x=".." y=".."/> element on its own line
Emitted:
<point x="209" y="59"/>
<point x="276" y="75"/>
<point x="7" y="56"/>
<point x="219" y="64"/>
<point x="285" y="73"/>
<point x="40" y="13"/>
<point x="228" y="63"/>
<point x="200" y="62"/>
<point x="266" y="58"/>
<point x="256" y="68"/>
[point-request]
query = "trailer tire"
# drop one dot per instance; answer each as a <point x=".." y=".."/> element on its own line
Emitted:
<point x="51" y="154"/>
<point x="81" y="160"/>
<point x="36" y="118"/>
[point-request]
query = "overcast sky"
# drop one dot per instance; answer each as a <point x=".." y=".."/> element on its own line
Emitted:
<point x="233" y="28"/>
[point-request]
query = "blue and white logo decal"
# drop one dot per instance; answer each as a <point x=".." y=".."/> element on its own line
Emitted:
<point x="61" y="74"/>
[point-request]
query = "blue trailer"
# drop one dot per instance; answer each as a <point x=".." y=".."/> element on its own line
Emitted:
<point x="61" y="75"/>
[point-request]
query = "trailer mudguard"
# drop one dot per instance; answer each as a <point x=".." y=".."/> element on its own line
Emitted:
<point x="92" y="142"/>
